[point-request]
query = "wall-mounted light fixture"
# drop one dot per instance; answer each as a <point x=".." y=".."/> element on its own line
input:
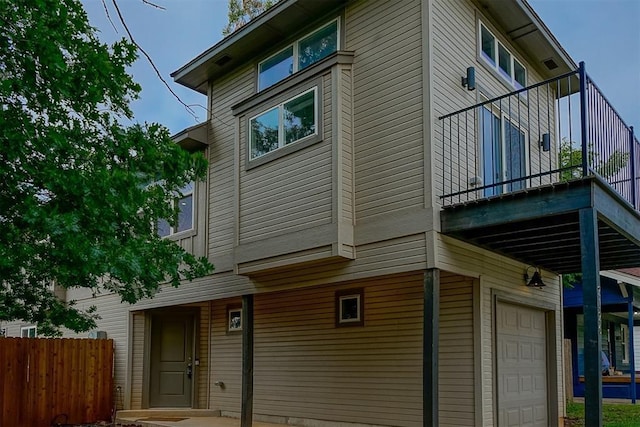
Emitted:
<point x="470" y="81"/>
<point x="536" y="280"/>
<point x="545" y="143"/>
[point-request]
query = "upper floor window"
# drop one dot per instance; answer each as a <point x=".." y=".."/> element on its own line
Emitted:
<point x="28" y="332"/>
<point x="185" y="213"/>
<point x="302" y="53"/>
<point x="498" y="57"/>
<point x="284" y="124"/>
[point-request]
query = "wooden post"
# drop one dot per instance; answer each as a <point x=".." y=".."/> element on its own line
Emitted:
<point x="568" y="370"/>
<point x="592" y="320"/>
<point x="430" y="347"/>
<point x="246" y="418"/>
<point x="630" y="344"/>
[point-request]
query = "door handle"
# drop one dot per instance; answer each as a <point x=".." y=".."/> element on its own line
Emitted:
<point x="189" y="371"/>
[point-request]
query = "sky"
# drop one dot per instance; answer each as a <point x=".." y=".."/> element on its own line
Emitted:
<point x="603" y="33"/>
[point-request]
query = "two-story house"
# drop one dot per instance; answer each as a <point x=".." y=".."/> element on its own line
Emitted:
<point x="384" y="203"/>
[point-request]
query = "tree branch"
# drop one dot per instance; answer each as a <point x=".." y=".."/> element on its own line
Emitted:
<point x="153" y="65"/>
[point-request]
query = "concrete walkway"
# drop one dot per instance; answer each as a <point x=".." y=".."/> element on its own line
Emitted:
<point x="180" y="418"/>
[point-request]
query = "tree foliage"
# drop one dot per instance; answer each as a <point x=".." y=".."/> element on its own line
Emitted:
<point x="570" y="160"/>
<point x="243" y="11"/>
<point x="80" y="193"/>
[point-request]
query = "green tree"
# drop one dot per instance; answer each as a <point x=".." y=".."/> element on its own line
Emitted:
<point x="243" y="11"/>
<point x="570" y="160"/>
<point x="80" y="193"/>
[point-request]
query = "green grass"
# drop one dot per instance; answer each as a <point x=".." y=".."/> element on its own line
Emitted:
<point x="613" y="415"/>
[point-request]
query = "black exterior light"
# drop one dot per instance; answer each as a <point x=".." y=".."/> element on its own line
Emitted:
<point x="470" y="80"/>
<point x="536" y="279"/>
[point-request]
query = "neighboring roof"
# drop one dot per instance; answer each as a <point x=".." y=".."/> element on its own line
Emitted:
<point x="253" y="39"/>
<point x="522" y="24"/>
<point x="630" y="276"/>
<point x="612" y="298"/>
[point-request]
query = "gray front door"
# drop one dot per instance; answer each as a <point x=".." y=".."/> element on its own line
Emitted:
<point x="521" y="366"/>
<point x="171" y="357"/>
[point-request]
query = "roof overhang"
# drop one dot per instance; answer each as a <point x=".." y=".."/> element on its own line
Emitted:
<point x="526" y="30"/>
<point x="193" y="138"/>
<point x="253" y="39"/>
<point x="622" y="277"/>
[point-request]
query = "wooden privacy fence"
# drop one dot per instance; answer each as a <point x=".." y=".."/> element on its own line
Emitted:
<point x="66" y="380"/>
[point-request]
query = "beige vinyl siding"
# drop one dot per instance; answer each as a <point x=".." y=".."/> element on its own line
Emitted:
<point x="137" y="359"/>
<point x="202" y="355"/>
<point x="498" y="273"/>
<point x="346" y="119"/>
<point x="456" y="376"/>
<point x="222" y="158"/>
<point x="391" y="256"/>
<point x="292" y="192"/>
<point x="454" y="45"/>
<point x="305" y="367"/>
<point x="226" y="360"/>
<point x="387" y="114"/>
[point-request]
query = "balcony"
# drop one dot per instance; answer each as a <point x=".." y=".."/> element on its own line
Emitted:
<point x="514" y="172"/>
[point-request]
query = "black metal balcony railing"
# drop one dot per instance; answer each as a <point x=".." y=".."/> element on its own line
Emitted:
<point x="551" y="132"/>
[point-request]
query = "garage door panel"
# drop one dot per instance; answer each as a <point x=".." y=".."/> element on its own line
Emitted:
<point x="521" y="366"/>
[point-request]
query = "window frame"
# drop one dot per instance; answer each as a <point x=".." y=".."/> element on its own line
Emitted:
<point x="230" y="310"/>
<point x="28" y="328"/>
<point x="173" y="229"/>
<point x="494" y="63"/>
<point x="294" y="46"/>
<point x="624" y="342"/>
<point x="503" y="118"/>
<point x="344" y="295"/>
<point x="281" y="129"/>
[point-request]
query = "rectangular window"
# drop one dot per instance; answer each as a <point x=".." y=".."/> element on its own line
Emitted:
<point x="302" y="53"/>
<point x="624" y="342"/>
<point x="505" y="64"/>
<point x="28" y="332"/>
<point x="234" y="319"/>
<point x="276" y="68"/>
<point x="184" y="203"/>
<point x="349" y="307"/>
<point x="291" y="121"/>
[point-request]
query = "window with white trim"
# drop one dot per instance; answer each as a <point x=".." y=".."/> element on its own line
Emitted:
<point x="498" y="57"/>
<point x="349" y="307"/>
<point x="28" y="331"/>
<point x="284" y="124"/>
<point x="299" y="55"/>
<point x="184" y="203"/>
<point x="624" y="342"/>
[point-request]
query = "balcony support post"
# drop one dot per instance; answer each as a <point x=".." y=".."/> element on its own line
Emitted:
<point x="430" y="347"/>
<point x="583" y="118"/>
<point x="246" y="416"/>
<point x="630" y="344"/>
<point x="590" y="261"/>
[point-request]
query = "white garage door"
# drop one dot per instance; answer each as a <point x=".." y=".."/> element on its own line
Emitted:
<point x="521" y="366"/>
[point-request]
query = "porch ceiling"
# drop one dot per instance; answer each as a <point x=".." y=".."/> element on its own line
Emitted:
<point x="541" y="226"/>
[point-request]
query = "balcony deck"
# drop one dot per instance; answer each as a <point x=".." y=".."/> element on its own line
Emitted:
<point x="547" y="175"/>
<point x="540" y="226"/>
<point x="516" y="171"/>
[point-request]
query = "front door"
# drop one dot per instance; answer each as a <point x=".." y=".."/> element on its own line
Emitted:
<point x="521" y="354"/>
<point x="171" y="358"/>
